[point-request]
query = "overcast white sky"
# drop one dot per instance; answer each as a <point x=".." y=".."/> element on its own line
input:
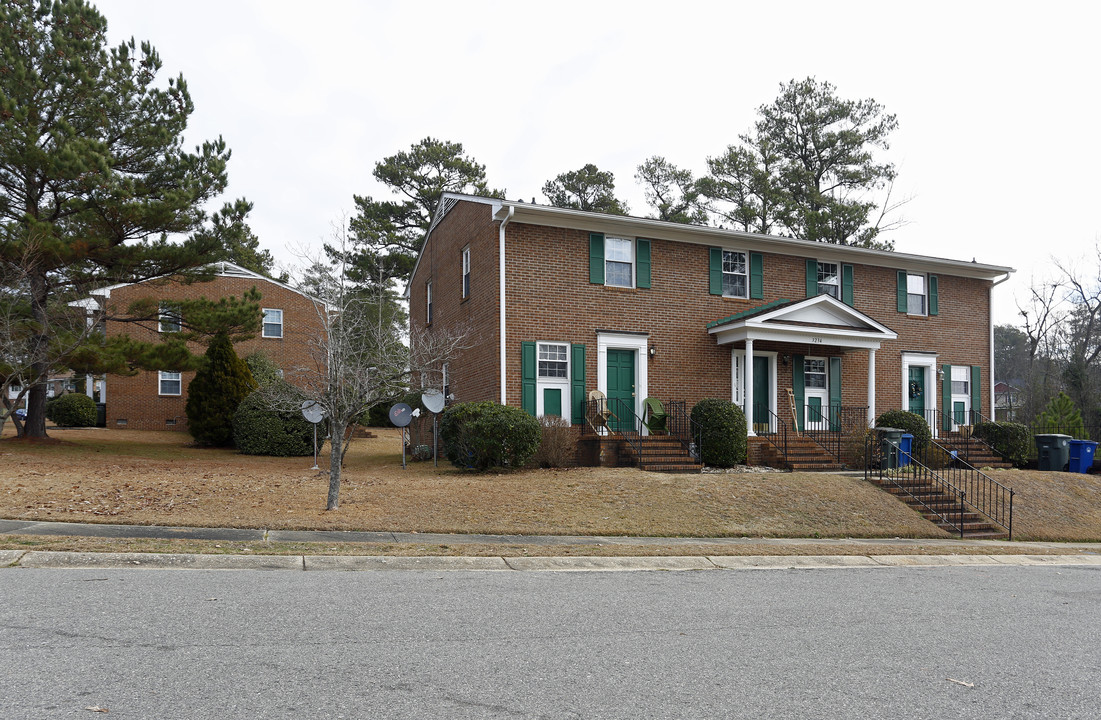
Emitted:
<point x="997" y="103"/>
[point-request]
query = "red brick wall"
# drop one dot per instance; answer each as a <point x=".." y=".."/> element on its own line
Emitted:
<point x="136" y="400"/>
<point x="549" y="297"/>
<point x="474" y="372"/>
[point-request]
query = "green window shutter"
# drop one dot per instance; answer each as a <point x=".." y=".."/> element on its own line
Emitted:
<point x="902" y="291"/>
<point x="527" y="377"/>
<point x="812" y="278"/>
<point x="716" y="271"/>
<point x="835" y="394"/>
<point x="577" y="383"/>
<point x="976" y="389"/>
<point x="847" y="285"/>
<point x="642" y="256"/>
<point x="933" y="304"/>
<point x="756" y="276"/>
<point x="798" y="388"/>
<point x="946" y="397"/>
<point x="596" y="258"/>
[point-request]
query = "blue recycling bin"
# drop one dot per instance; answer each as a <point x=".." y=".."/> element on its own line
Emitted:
<point x="905" y="447"/>
<point x="1081" y="455"/>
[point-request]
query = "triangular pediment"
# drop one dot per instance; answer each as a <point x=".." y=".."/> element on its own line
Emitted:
<point x="816" y="320"/>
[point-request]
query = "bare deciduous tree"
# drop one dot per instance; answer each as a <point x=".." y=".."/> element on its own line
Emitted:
<point x="359" y="355"/>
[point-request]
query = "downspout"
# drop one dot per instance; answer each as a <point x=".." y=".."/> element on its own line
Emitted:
<point x="501" y="277"/>
<point x="990" y="305"/>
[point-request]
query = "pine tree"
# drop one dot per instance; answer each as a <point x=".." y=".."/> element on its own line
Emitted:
<point x="1061" y="416"/>
<point x="223" y="381"/>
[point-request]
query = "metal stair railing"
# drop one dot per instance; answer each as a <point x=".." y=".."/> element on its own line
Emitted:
<point x="679" y="424"/>
<point x="916" y="481"/>
<point x="627" y="425"/>
<point x="830" y="426"/>
<point x="777" y="431"/>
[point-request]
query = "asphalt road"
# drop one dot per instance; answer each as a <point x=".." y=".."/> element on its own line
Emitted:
<point x="939" y="642"/>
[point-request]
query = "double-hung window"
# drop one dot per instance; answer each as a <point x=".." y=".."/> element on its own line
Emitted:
<point x="735" y="274"/>
<point x="814" y="373"/>
<point x="169" y="320"/>
<point x="554" y="360"/>
<point x="170" y="383"/>
<point x="273" y="323"/>
<point x="619" y="262"/>
<point x="466" y="273"/>
<point x="428" y="303"/>
<point x="829" y="279"/>
<point x="915" y="294"/>
<point x="961" y="380"/>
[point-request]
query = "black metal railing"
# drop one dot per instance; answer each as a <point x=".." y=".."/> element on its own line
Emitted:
<point x="923" y="473"/>
<point x="625" y="423"/>
<point x="776" y="431"/>
<point x="831" y="426"/>
<point x="679" y="424"/>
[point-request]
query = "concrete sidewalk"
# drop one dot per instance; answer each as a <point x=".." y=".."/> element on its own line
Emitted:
<point x="1071" y="553"/>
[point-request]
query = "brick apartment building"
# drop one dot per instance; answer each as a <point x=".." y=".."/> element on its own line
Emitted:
<point x="561" y="302"/>
<point x="156" y="400"/>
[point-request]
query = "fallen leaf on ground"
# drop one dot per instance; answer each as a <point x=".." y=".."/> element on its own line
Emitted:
<point x="96" y="708"/>
<point x="960" y="682"/>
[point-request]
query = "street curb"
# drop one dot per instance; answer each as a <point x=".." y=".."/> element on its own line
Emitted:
<point x="374" y="563"/>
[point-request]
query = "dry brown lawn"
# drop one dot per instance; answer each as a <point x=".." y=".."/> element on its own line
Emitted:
<point x="158" y="478"/>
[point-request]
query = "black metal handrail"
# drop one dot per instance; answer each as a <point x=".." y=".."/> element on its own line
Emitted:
<point x="778" y="430"/>
<point x="679" y="424"/>
<point x="627" y="425"/>
<point x="831" y="426"/>
<point x="975" y="490"/>
<point x="915" y="480"/>
<point x="985" y="495"/>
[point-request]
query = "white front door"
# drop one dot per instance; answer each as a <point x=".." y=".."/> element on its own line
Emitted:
<point x="816" y="390"/>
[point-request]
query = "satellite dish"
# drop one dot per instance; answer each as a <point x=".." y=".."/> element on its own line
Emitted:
<point x="401" y="415"/>
<point x="433" y="400"/>
<point x="312" y="411"/>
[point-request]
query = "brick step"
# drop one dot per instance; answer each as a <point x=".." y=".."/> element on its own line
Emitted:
<point x="683" y="468"/>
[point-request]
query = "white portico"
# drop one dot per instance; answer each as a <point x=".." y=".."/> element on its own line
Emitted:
<point x="821" y="321"/>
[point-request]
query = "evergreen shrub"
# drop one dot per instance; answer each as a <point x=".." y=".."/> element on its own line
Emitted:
<point x="1012" y="440"/>
<point x="723" y="429"/>
<point x="260" y="429"/>
<point x="910" y="423"/>
<point x="72" y="410"/>
<point x="483" y="435"/>
<point x="219" y="386"/>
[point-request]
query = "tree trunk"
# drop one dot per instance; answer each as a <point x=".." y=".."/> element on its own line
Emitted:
<point x="35" y="425"/>
<point x="336" y="455"/>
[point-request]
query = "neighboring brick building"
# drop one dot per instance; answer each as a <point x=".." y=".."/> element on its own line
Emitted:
<point x="642" y="308"/>
<point x="155" y="400"/>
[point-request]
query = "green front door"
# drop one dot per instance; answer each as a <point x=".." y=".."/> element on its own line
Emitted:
<point x="916" y="390"/>
<point x="760" y="394"/>
<point x="621" y="387"/>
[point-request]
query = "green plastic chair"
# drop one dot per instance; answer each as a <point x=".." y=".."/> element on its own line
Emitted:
<point x="654" y="416"/>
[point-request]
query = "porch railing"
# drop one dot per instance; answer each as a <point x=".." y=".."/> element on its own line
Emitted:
<point x="619" y="417"/>
<point x="831" y="426"/>
<point x="679" y="424"/>
<point x="777" y="431"/>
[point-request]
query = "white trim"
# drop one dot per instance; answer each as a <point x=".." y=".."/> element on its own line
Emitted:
<point x="464" y="273"/>
<point x="160" y="386"/>
<point x="929" y="362"/>
<point x="720" y="237"/>
<point x="747" y="379"/>
<point x="866" y="334"/>
<point x="632" y="242"/>
<point x="264" y="323"/>
<point x="623" y="341"/>
<point x="723" y="273"/>
<point x="554" y="383"/>
<point x="504" y="218"/>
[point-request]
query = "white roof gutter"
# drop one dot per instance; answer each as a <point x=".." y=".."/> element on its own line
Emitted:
<point x="504" y="217"/>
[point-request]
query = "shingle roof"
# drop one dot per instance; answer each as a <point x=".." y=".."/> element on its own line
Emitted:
<point x="751" y="312"/>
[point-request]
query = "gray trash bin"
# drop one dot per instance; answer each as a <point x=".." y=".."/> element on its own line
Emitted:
<point x="889" y="441"/>
<point x="1052" y="451"/>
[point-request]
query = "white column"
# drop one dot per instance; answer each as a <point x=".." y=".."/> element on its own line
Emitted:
<point x="89" y="385"/>
<point x="871" y="387"/>
<point x="748" y="393"/>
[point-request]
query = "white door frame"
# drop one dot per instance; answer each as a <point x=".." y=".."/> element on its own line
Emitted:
<point x="624" y="341"/>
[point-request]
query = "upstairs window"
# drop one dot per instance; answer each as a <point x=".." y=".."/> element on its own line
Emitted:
<point x="169" y="321"/>
<point x="619" y="262"/>
<point x="428" y="303"/>
<point x="915" y="294"/>
<point x="466" y="273"/>
<point x="554" y="360"/>
<point x="273" y="323"/>
<point x="735" y="274"/>
<point x="829" y="279"/>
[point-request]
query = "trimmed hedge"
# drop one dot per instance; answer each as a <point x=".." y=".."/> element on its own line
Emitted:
<point x="483" y="435"/>
<point x="1012" y="440"/>
<point x="260" y="430"/>
<point x="908" y="422"/>
<point x="72" y="410"/>
<point x="723" y="429"/>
